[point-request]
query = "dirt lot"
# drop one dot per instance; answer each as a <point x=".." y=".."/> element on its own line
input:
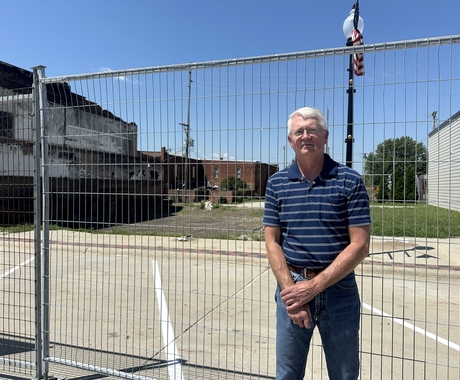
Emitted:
<point x="234" y="221"/>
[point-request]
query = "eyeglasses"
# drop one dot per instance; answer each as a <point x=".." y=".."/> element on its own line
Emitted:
<point x="310" y="132"/>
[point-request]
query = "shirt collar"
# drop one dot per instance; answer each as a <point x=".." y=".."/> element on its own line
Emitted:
<point x="329" y="169"/>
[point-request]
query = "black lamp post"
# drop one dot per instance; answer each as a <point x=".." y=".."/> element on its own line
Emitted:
<point x="347" y="31"/>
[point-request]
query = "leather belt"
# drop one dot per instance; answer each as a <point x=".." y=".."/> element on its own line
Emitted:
<point x="305" y="272"/>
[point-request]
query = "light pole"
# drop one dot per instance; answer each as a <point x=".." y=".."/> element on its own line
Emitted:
<point x="348" y="26"/>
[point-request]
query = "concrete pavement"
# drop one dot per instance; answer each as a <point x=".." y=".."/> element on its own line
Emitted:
<point x="220" y="299"/>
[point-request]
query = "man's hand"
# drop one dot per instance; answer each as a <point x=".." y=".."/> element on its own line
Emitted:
<point x="301" y="316"/>
<point x="298" y="295"/>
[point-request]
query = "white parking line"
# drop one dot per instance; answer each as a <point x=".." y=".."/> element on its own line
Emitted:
<point x="6" y="274"/>
<point x="413" y="327"/>
<point x="169" y="341"/>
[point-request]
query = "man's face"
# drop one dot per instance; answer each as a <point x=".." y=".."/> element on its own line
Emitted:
<point x="307" y="138"/>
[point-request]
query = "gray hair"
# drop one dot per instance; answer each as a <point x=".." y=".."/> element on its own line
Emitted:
<point x="308" y="113"/>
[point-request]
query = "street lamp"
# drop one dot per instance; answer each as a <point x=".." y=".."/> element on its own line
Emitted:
<point x="348" y="26"/>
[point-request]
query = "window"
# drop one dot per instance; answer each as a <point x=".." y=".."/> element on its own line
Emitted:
<point x="238" y="172"/>
<point x="216" y="172"/>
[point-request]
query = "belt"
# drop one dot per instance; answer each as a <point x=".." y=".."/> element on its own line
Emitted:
<point x="305" y="272"/>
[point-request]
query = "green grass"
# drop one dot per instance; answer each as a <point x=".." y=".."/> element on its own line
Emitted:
<point x="388" y="219"/>
<point x="30" y="227"/>
<point x="17" y="229"/>
<point x="409" y="220"/>
<point x="130" y="232"/>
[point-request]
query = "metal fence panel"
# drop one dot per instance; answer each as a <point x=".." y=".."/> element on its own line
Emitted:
<point x="17" y="259"/>
<point x="150" y="279"/>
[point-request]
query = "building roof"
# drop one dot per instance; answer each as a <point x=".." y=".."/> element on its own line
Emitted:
<point x="15" y="78"/>
<point x="444" y="124"/>
<point x="20" y="81"/>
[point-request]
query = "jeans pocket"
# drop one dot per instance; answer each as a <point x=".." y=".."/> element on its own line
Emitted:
<point x="348" y="283"/>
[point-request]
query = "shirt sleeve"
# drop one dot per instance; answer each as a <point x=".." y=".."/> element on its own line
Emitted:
<point x="358" y="205"/>
<point x="271" y="215"/>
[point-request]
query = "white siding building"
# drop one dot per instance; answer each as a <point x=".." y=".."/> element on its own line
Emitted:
<point x="444" y="164"/>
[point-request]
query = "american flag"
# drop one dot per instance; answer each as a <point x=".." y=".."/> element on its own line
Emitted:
<point x="357" y="39"/>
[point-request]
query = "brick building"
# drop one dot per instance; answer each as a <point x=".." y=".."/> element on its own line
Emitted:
<point x="255" y="174"/>
<point x="210" y="173"/>
<point x="174" y="170"/>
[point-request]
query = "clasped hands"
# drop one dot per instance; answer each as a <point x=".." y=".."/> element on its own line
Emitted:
<point x="296" y="298"/>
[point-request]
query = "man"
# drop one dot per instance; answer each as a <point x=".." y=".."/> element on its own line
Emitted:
<point x="316" y="222"/>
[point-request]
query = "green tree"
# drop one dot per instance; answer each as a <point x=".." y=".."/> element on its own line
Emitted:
<point x="397" y="185"/>
<point x="382" y="190"/>
<point x="391" y="154"/>
<point x="410" y="187"/>
<point x="232" y="183"/>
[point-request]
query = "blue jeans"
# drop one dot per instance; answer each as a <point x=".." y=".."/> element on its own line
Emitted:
<point x="336" y="313"/>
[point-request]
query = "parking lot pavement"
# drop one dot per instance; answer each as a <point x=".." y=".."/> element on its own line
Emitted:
<point x="240" y="271"/>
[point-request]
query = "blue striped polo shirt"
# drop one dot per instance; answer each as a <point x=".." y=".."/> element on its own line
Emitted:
<point x="314" y="216"/>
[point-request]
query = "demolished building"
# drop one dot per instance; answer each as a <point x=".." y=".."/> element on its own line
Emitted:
<point x="97" y="175"/>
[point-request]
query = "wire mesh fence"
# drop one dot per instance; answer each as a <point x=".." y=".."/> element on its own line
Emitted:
<point x="151" y="255"/>
<point x="17" y="273"/>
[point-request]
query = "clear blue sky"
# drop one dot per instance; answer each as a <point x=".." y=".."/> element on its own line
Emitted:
<point x="72" y="37"/>
<point x="76" y="37"/>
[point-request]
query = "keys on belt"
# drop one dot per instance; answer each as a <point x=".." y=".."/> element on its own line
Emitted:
<point x="305" y="272"/>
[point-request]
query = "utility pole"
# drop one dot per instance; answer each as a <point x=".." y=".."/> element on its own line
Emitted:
<point x="187" y="135"/>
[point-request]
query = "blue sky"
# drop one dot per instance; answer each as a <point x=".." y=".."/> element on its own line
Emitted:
<point x="76" y="37"/>
<point x="72" y="37"/>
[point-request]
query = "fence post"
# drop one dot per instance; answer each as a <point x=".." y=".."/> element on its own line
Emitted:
<point x="41" y="218"/>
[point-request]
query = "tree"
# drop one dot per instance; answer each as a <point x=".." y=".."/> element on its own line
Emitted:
<point x="410" y="186"/>
<point x="403" y="152"/>
<point x="397" y="185"/>
<point x="382" y="190"/>
<point x="232" y="183"/>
